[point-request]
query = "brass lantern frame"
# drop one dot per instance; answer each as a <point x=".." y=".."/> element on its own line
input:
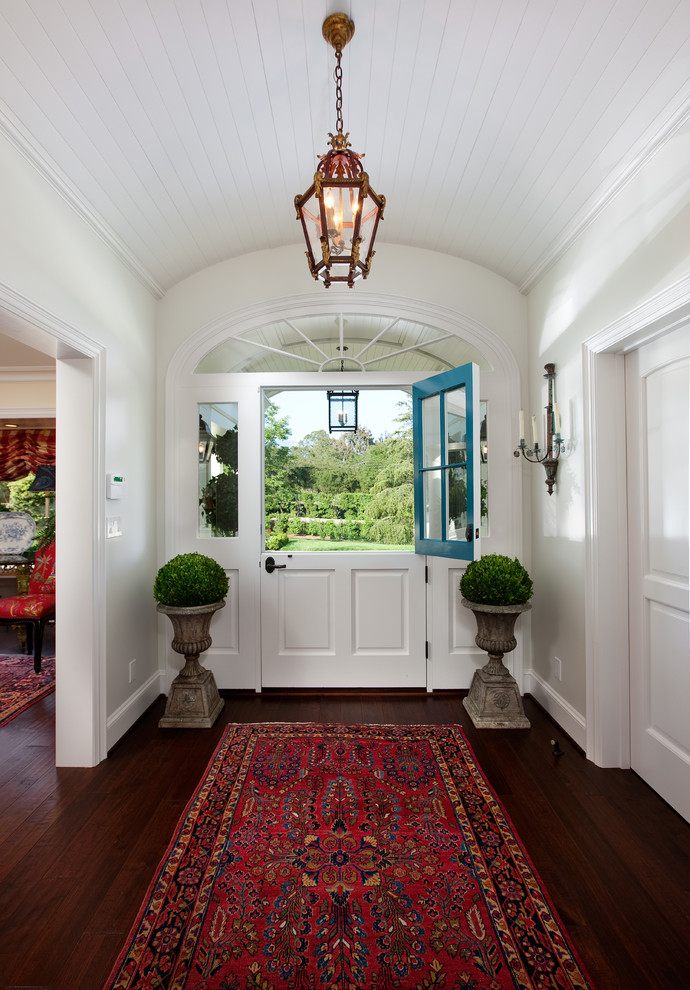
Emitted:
<point x="339" y="212"/>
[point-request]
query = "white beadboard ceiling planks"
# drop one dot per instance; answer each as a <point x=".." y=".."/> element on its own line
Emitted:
<point x="182" y="129"/>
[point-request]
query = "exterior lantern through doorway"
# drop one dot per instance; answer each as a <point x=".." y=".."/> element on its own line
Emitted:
<point x="342" y="411"/>
<point x="340" y="212"/>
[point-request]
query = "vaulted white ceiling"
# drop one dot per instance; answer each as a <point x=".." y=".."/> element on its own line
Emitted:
<point x="496" y="129"/>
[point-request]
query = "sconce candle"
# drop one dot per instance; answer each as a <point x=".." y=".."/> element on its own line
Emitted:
<point x="554" y="444"/>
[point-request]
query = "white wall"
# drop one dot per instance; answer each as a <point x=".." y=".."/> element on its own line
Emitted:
<point x="57" y="274"/>
<point x="27" y="395"/>
<point x="638" y="247"/>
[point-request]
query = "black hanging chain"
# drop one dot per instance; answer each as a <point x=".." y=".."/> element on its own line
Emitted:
<point x="338" y="75"/>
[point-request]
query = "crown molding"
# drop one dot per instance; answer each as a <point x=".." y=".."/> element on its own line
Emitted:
<point x="584" y="221"/>
<point x="28" y="374"/>
<point x="49" y="171"/>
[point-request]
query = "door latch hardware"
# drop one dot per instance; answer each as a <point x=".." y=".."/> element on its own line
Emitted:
<point x="271" y="565"/>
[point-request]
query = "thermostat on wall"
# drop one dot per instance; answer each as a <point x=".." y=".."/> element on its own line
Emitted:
<point x="114" y="483"/>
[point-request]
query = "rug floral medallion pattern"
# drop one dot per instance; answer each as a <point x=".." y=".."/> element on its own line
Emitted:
<point x="346" y="857"/>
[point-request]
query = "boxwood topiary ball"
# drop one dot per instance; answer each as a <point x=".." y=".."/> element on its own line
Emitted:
<point x="496" y="580"/>
<point x="190" y="579"/>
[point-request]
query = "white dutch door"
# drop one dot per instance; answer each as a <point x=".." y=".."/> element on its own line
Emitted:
<point x="658" y="411"/>
<point x="343" y="619"/>
<point x="359" y="619"/>
<point x="349" y="619"/>
<point x="346" y="618"/>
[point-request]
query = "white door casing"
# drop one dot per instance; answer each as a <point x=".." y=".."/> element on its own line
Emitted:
<point x="81" y="732"/>
<point x="607" y="741"/>
<point x="658" y="412"/>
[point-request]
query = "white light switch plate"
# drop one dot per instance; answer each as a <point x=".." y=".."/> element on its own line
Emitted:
<point x="113" y="526"/>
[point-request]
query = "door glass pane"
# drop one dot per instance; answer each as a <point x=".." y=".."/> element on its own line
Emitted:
<point x="217" y="460"/>
<point x="432" y="506"/>
<point x="456" y="426"/>
<point x="431" y="431"/>
<point x="457" y="503"/>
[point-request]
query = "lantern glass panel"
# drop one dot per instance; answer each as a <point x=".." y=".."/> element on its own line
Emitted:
<point x="341" y="204"/>
<point x="370" y="212"/>
<point x="312" y="225"/>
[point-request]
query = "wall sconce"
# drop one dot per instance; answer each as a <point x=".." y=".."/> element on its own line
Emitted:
<point x="554" y="442"/>
<point x="342" y="411"/>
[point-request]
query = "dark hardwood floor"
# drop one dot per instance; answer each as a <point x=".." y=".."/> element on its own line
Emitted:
<point x="79" y="846"/>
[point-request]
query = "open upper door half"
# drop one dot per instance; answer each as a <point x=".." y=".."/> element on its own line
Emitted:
<point x="446" y="419"/>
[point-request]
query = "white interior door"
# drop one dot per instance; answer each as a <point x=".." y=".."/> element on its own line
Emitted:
<point x="658" y="411"/>
<point x="343" y="619"/>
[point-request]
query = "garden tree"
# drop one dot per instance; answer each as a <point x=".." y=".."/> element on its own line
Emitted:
<point x="353" y="445"/>
<point x="388" y="464"/>
<point x="404" y="417"/>
<point x="279" y="493"/>
<point x="343" y="476"/>
<point x="276" y="432"/>
<point x="329" y="463"/>
<point x="391" y="515"/>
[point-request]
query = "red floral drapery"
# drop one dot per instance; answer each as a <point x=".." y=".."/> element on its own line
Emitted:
<point x="21" y="451"/>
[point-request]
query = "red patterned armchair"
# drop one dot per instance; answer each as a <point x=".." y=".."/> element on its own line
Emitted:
<point x="37" y="606"/>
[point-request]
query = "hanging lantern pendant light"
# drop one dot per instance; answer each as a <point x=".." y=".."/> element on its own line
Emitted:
<point x="340" y="212"/>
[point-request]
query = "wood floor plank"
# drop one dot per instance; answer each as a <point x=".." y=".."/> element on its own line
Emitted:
<point x="80" y="847"/>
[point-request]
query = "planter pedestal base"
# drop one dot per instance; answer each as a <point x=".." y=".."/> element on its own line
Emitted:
<point x="193" y="702"/>
<point x="494" y="701"/>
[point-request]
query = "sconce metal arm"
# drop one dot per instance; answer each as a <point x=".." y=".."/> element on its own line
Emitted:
<point x="554" y="442"/>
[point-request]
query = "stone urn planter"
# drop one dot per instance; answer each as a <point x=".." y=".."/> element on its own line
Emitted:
<point x="193" y="701"/>
<point x="190" y="589"/>
<point x="496" y="589"/>
<point x="494" y="700"/>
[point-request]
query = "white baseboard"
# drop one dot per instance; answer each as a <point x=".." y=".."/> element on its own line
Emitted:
<point x="127" y="714"/>
<point x="569" y="719"/>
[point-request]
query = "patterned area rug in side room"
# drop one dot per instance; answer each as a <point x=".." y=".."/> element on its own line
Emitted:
<point x="346" y="857"/>
<point x="21" y="686"/>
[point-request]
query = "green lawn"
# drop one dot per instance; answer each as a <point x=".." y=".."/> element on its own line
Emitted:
<point x="314" y="543"/>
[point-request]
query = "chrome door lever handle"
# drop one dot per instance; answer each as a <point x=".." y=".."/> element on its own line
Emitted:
<point x="271" y="565"/>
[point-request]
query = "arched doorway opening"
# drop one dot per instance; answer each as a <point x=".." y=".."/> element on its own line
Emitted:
<point x="303" y="346"/>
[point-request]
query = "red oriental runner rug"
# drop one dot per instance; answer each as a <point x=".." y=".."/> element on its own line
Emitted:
<point x="20" y="686"/>
<point x="346" y="857"/>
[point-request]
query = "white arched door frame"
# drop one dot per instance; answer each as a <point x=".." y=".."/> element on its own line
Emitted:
<point x="80" y="729"/>
<point x="607" y="663"/>
<point x="180" y="378"/>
